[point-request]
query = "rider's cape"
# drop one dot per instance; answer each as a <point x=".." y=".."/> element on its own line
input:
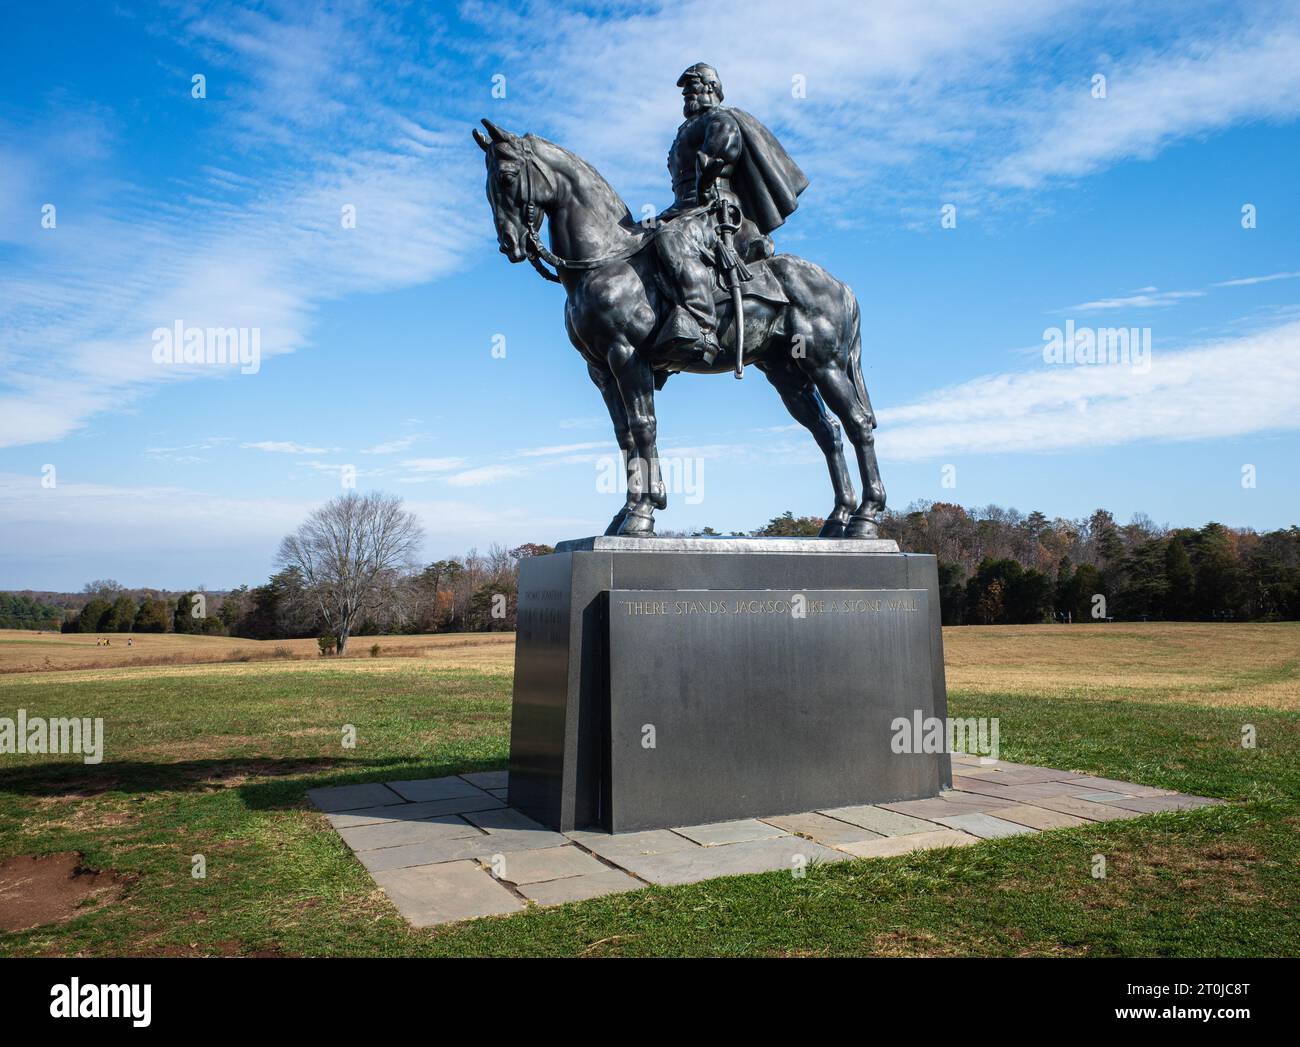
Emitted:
<point x="766" y="181"/>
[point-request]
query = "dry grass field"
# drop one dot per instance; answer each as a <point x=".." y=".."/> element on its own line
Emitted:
<point x="1256" y="665"/>
<point x="211" y="745"/>
<point x="26" y="651"/>
<point x="1200" y="663"/>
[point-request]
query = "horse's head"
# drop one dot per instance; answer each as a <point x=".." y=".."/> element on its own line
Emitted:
<point x="511" y="187"/>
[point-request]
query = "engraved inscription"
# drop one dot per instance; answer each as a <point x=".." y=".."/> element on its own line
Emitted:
<point x="772" y="605"/>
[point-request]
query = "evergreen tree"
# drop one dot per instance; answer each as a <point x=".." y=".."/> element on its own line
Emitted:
<point x="1179" y="603"/>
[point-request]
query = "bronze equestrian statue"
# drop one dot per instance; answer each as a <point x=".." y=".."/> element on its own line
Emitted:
<point x="646" y="303"/>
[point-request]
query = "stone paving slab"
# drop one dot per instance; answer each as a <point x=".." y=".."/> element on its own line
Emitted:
<point x="629" y="845"/>
<point x="1154" y="804"/>
<point x="1094" y="812"/>
<point x="1031" y="776"/>
<point x="436" y="789"/>
<point x="890" y="846"/>
<point x="434" y="844"/>
<point x="751" y="856"/>
<point x="411" y="811"/>
<point x="879" y="820"/>
<point x="351" y="797"/>
<point x="384" y="859"/>
<point x="1039" y="818"/>
<point x="718" y="833"/>
<point x="548" y="863"/>
<point x="504" y="819"/>
<point x="947" y="804"/>
<point x="1111" y="784"/>
<point x="580" y="888"/>
<point x="975" y="801"/>
<point x="400" y="833"/>
<point x="488" y="779"/>
<point x="985" y="826"/>
<point x="830" y="832"/>
<point x="1019" y="793"/>
<point x="974" y="770"/>
<point x="434" y="894"/>
<point x="506" y="841"/>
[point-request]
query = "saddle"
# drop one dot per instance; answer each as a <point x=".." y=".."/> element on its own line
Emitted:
<point x="759" y="283"/>
<point x="668" y="356"/>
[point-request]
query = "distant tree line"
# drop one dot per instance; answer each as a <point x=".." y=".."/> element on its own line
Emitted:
<point x="998" y="566"/>
<point x="471" y="593"/>
<point x="20" y="611"/>
<point x="110" y="608"/>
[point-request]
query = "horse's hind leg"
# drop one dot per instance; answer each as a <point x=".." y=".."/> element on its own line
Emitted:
<point x="806" y="407"/>
<point x="847" y="399"/>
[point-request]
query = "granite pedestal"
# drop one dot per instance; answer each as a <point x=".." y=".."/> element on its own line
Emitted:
<point x="662" y="682"/>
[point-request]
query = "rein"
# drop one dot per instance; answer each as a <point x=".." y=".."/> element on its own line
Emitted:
<point x="538" y="252"/>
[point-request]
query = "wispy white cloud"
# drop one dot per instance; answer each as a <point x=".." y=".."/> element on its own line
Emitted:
<point x="483" y="475"/>
<point x="287" y="447"/>
<point x="1202" y="81"/>
<point x="432" y="465"/>
<point x="1234" y="386"/>
<point x="1248" y="281"/>
<point x="906" y="102"/>
<point x="402" y="443"/>
<point x="1153" y="297"/>
<point x="557" y="449"/>
<point x="251" y="233"/>
<point x="1146" y="298"/>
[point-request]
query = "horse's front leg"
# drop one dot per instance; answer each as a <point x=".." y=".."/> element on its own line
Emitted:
<point x="645" y="487"/>
<point x="604" y="380"/>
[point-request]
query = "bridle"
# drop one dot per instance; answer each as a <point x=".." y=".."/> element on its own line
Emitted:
<point x="536" y="251"/>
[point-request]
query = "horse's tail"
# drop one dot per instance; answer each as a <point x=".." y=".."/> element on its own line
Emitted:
<point x="854" y="361"/>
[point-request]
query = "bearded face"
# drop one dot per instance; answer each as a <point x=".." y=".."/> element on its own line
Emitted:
<point x="697" y="96"/>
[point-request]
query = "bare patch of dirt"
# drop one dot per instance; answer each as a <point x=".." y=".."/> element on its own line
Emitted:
<point x="36" y="889"/>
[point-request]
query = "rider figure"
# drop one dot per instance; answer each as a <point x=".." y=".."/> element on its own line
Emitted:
<point x="721" y="156"/>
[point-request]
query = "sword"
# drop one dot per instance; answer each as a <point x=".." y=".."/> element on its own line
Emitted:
<point x="736" y="300"/>
<point x="731" y="264"/>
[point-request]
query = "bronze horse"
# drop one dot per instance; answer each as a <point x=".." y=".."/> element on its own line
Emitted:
<point x="809" y="346"/>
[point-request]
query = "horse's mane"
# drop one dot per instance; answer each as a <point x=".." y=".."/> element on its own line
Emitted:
<point x="601" y="186"/>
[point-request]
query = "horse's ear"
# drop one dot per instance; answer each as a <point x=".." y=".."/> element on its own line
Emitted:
<point x="497" y="134"/>
<point x="483" y="143"/>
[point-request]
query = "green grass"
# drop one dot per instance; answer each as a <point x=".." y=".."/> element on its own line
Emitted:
<point x="217" y="762"/>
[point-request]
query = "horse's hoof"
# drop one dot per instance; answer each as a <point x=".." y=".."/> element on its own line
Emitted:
<point x="617" y="522"/>
<point x="832" y="528"/>
<point x="637" y="525"/>
<point x="860" y="527"/>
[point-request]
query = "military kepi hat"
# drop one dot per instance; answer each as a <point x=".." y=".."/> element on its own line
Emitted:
<point x="702" y="71"/>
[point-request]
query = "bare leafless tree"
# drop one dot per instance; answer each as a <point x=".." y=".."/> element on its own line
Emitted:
<point x="353" y="553"/>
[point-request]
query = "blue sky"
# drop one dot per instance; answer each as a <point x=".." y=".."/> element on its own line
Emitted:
<point x="376" y="341"/>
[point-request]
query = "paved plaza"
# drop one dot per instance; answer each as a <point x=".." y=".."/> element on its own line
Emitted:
<point x="446" y="849"/>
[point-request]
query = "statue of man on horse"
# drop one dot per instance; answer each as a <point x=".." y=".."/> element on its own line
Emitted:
<point x="701" y="293"/>
<point x="722" y="162"/>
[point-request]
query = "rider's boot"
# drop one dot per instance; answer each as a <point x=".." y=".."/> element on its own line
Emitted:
<point x="697" y="299"/>
<point x="708" y="346"/>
